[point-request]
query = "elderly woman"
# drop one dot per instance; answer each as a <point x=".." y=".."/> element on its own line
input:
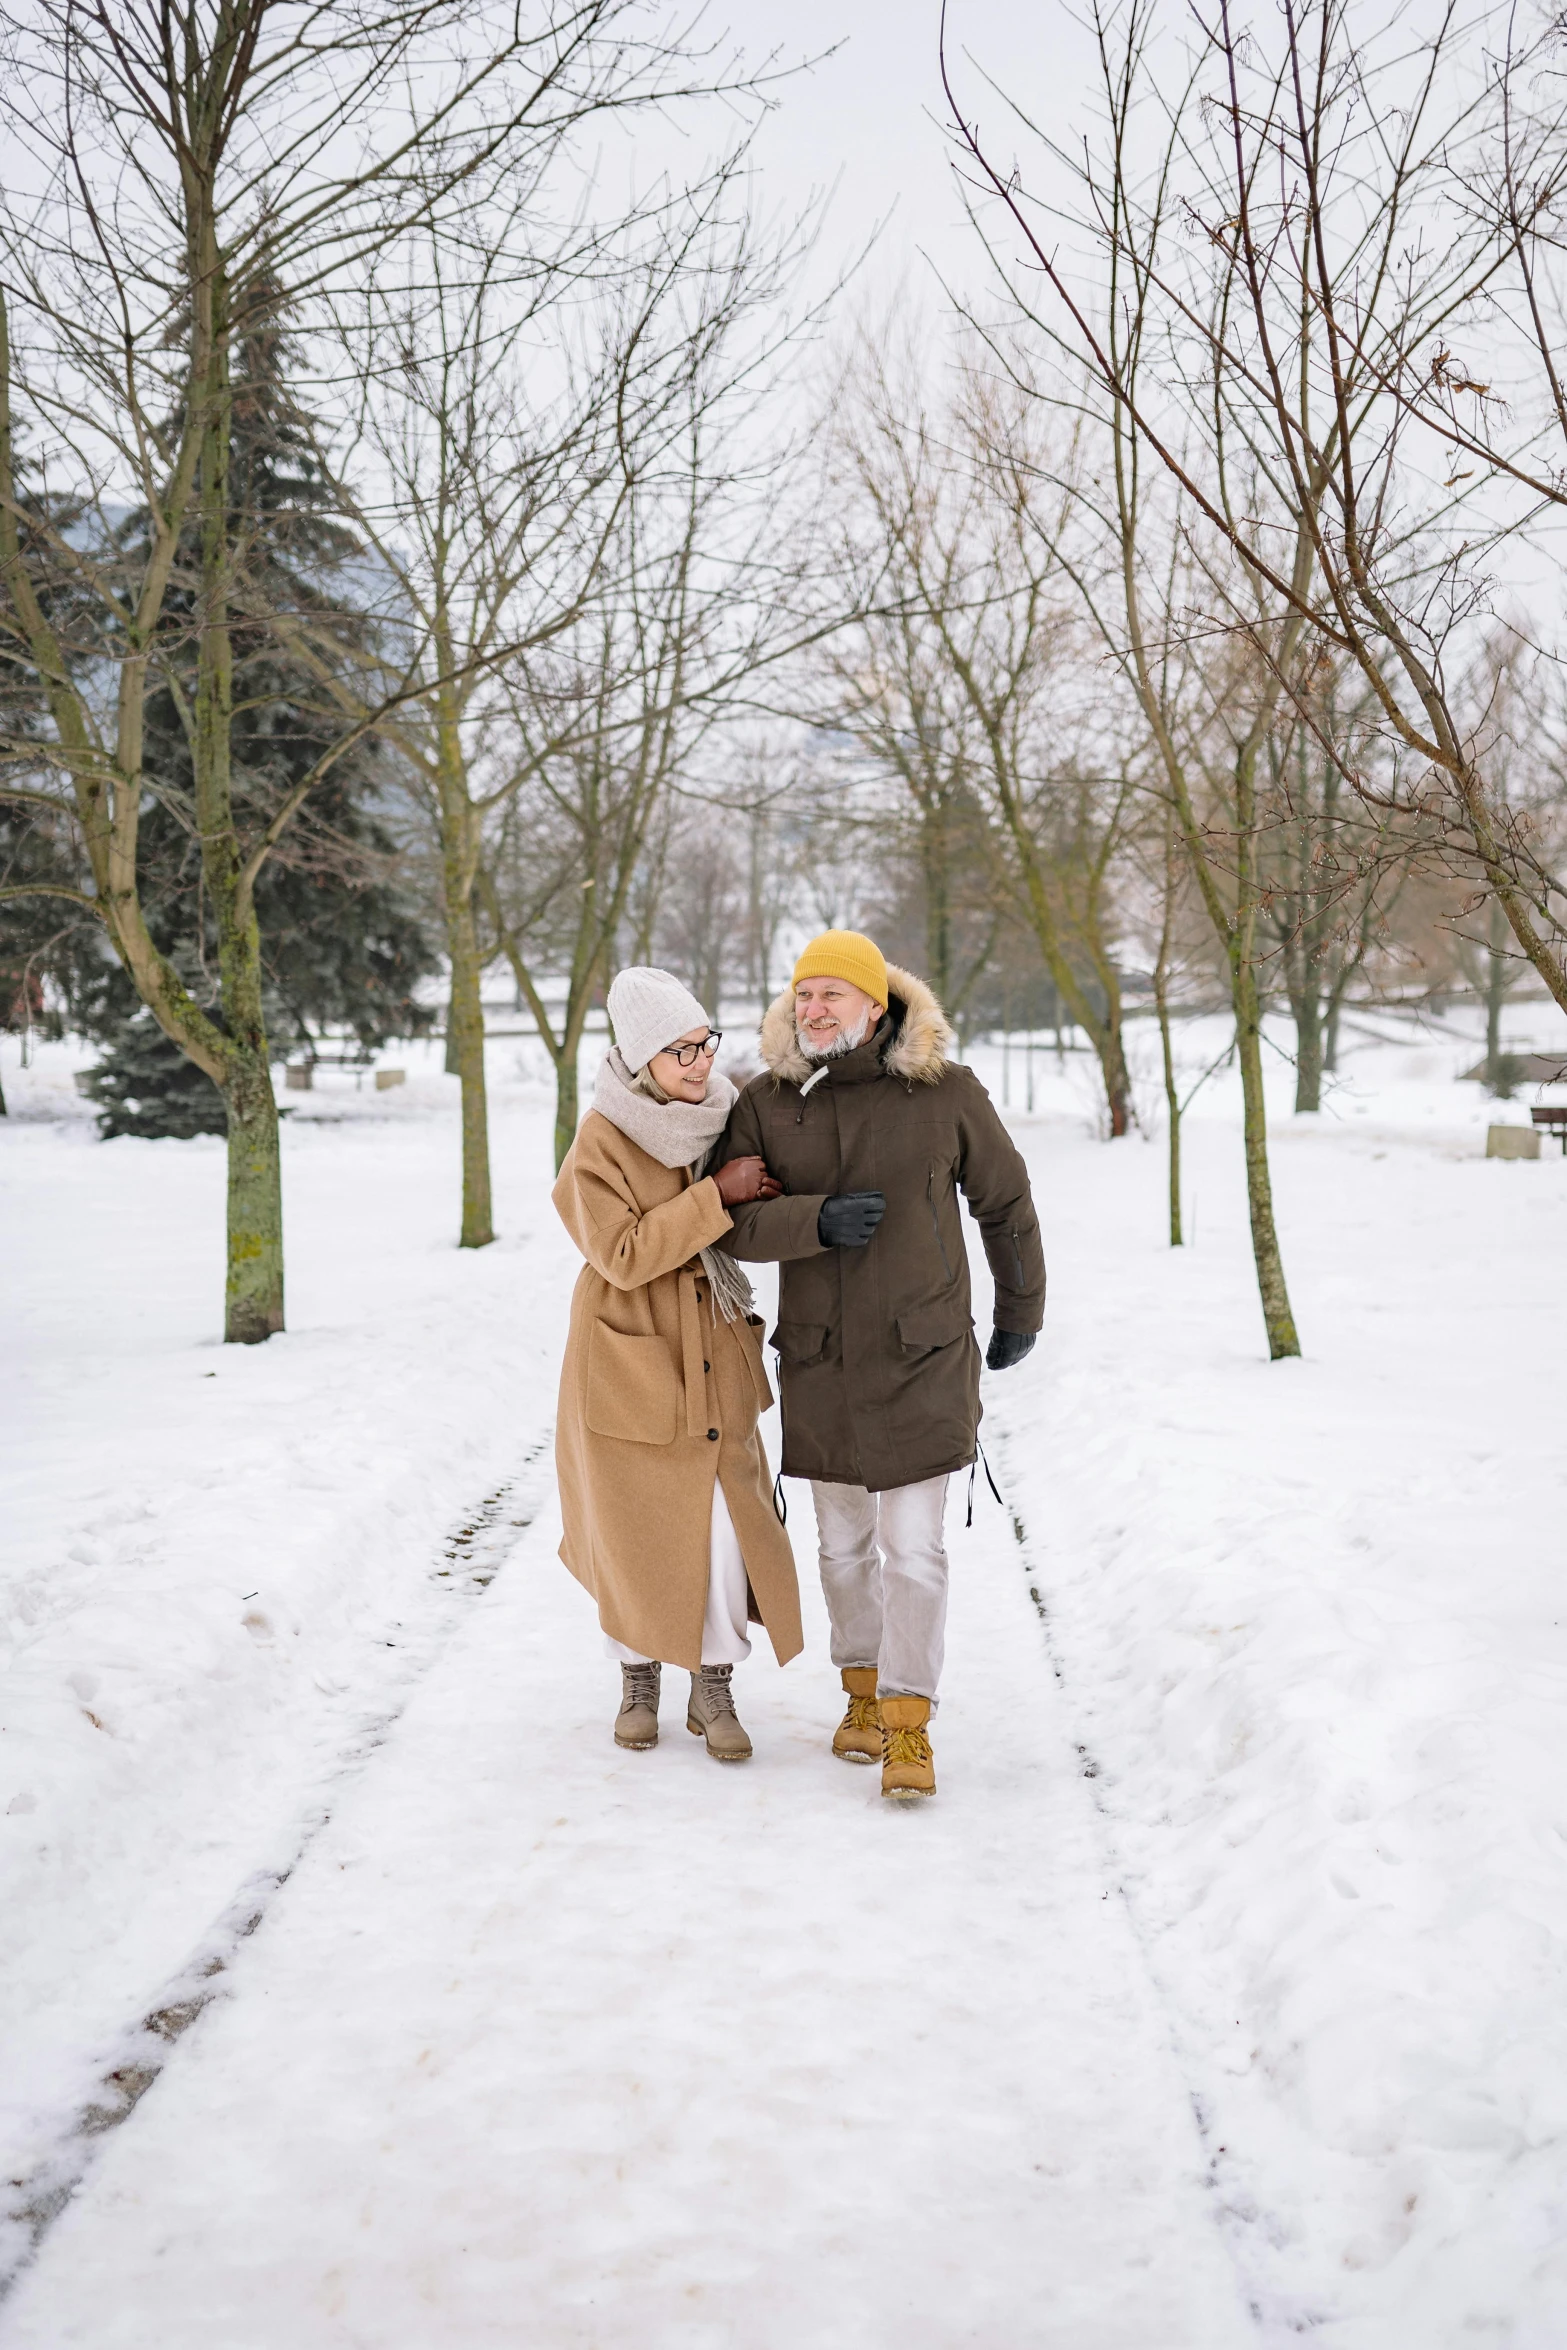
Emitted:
<point x="664" y="1487"/>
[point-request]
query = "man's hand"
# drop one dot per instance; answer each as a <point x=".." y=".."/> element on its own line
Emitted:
<point x="848" y="1219"/>
<point x="740" y="1181"/>
<point x="1006" y="1348"/>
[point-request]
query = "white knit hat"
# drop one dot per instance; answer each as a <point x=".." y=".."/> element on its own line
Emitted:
<point x="650" y="1009"/>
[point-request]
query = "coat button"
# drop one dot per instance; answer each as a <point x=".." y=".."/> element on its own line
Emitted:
<point x="712" y="1436"/>
<point x="707" y="1366"/>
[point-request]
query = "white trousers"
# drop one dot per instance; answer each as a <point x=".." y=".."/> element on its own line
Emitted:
<point x="726" y="1634"/>
<point x="884" y="1576"/>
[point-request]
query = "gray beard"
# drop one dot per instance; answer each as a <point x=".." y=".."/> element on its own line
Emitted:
<point x="847" y="1042"/>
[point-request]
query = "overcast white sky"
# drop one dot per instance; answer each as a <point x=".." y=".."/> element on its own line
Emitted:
<point x="869" y="117"/>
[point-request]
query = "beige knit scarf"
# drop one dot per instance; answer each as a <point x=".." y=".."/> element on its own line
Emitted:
<point x="677" y="1134"/>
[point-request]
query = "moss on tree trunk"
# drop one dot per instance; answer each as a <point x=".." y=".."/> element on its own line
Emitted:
<point x="459" y="825"/>
<point x="567" y="1106"/>
<point x="1277" y="1316"/>
<point x="465" y="1052"/>
<point x="253" y="1296"/>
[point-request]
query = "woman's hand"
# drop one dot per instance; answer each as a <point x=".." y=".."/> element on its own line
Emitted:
<point x="742" y="1180"/>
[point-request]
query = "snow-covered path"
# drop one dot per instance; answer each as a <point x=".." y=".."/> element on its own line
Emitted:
<point x="543" y="2043"/>
<point x="553" y="2044"/>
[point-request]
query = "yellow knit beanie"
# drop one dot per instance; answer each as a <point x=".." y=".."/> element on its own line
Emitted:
<point x="846" y="954"/>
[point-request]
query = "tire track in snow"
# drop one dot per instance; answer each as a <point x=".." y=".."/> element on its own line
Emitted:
<point x="1237" y="2210"/>
<point x="472" y="1557"/>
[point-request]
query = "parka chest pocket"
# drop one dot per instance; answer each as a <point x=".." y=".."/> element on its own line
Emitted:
<point x="799" y="1343"/>
<point x="633" y="1388"/>
<point x="923" y="1329"/>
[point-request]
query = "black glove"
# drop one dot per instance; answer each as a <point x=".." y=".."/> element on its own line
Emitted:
<point x="848" y="1219"/>
<point x="1007" y="1347"/>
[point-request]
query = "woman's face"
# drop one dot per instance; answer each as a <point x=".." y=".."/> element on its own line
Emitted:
<point x="683" y="1085"/>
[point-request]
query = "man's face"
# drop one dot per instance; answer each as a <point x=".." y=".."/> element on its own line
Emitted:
<point x="831" y="1016"/>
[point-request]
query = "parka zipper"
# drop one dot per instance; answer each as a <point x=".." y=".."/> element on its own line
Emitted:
<point x="930" y="1194"/>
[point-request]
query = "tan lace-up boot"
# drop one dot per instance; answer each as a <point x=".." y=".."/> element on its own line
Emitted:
<point x="857" y="1738"/>
<point x="636" y="1724"/>
<point x="711" y="1715"/>
<point x="908" y="1768"/>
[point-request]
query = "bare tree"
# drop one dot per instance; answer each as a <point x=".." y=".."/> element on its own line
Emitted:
<point x="1210" y="659"/>
<point x="604" y="726"/>
<point x="961" y="681"/>
<point x="182" y="162"/>
<point x="1336" y="206"/>
<point x="698" y="599"/>
<point x="1333" y="868"/>
<point x="506" y="414"/>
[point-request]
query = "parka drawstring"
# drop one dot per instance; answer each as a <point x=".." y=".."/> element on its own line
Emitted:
<point x="979" y="1456"/>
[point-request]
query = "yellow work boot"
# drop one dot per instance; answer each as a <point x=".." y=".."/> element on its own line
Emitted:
<point x="908" y="1768"/>
<point x="857" y="1738"/>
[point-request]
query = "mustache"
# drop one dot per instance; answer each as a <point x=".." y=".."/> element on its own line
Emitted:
<point x="831" y="1045"/>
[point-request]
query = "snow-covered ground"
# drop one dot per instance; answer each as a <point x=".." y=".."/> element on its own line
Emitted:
<point x="1219" y="1997"/>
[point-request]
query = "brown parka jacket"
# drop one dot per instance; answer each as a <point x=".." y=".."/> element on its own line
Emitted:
<point x="878" y="1367"/>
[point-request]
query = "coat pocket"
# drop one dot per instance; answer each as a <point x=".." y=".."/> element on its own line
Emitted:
<point x="633" y="1389"/>
<point x="924" y="1328"/>
<point x="751" y="1331"/>
<point x="800" y="1342"/>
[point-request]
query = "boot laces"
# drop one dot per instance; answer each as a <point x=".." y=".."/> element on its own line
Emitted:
<point x="640" y="1687"/>
<point x="717" y="1697"/>
<point x="906" y="1746"/>
<point x="862" y="1714"/>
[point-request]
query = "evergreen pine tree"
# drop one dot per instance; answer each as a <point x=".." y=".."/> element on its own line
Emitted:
<point x="50" y="948"/>
<point x="344" y="939"/>
<point x="145" y="1085"/>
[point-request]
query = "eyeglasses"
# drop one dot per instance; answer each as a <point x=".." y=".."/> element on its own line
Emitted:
<point x="686" y="1054"/>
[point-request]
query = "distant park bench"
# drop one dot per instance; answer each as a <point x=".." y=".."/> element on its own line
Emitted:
<point x="299" y="1076"/>
<point x="1553" y="1117"/>
<point x="1524" y="1069"/>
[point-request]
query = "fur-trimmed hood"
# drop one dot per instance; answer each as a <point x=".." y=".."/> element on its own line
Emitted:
<point x="917" y="1050"/>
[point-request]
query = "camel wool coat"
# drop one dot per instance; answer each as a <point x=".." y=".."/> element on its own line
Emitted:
<point x="658" y="1396"/>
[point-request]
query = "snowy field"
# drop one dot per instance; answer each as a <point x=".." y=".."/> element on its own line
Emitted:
<point x="1218" y="2000"/>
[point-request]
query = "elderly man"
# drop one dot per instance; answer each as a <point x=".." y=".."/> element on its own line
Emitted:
<point x="873" y="1132"/>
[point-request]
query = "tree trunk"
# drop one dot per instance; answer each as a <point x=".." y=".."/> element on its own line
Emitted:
<point x="253" y="1299"/>
<point x="1161" y="998"/>
<point x="1172" y="1091"/>
<point x="565" y="1051"/>
<point x="1330" y="1039"/>
<point x="1306" y="1005"/>
<point x="253" y="1289"/>
<point x="465" y="1048"/>
<point x="1173" y="1102"/>
<point x="1276" y="1313"/>
<point x="1496" y="977"/>
<point x="1102" y="1032"/>
<point x="465" y="1011"/>
<point x="1117" y="1080"/>
<point x="938" y="905"/>
<point x="566" y="1104"/>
